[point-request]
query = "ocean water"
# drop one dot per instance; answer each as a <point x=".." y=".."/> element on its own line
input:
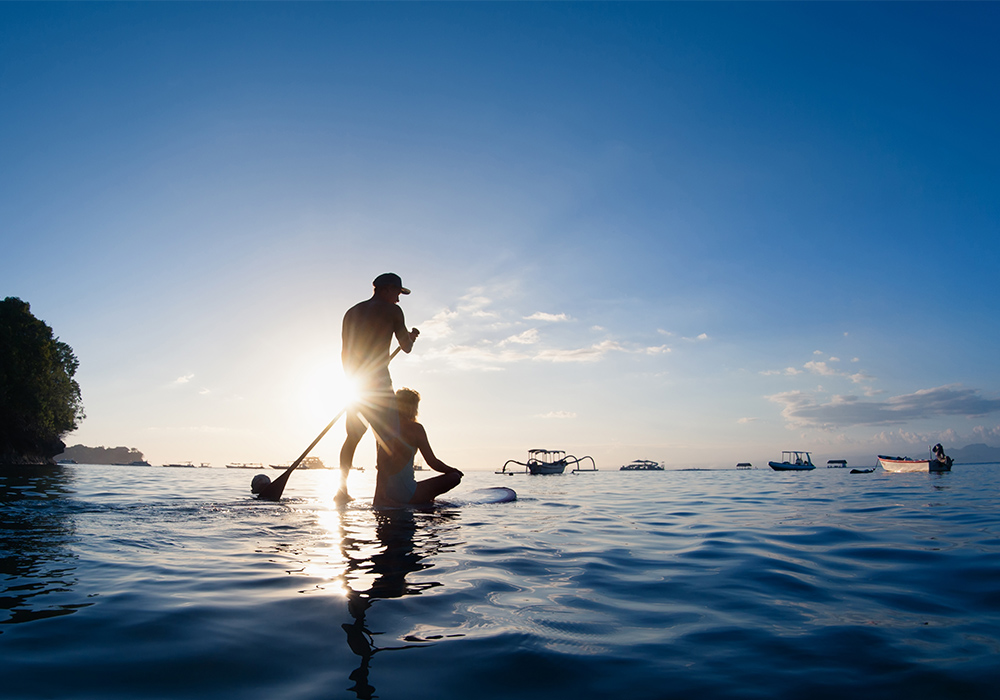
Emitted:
<point x="141" y="583"/>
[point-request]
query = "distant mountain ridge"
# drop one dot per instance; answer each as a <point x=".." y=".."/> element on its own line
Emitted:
<point x="979" y="452"/>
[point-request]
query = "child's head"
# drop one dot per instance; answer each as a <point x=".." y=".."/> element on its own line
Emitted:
<point x="407" y="401"/>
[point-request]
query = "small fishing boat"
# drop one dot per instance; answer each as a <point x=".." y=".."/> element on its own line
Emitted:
<point x="793" y="461"/>
<point x="245" y="465"/>
<point x="642" y="465"/>
<point x="549" y="462"/>
<point x="836" y="464"/>
<point x="937" y="462"/>
<point x="744" y="465"/>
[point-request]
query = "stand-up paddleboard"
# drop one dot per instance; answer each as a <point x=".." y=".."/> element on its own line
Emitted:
<point x="494" y="494"/>
<point x="484" y="496"/>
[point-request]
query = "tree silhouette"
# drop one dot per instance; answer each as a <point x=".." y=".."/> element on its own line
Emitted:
<point x="39" y="399"/>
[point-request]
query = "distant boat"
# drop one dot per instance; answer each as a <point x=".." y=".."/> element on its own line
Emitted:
<point x="642" y="465"/>
<point x="793" y="461"/>
<point x="836" y="464"/>
<point x="307" y="463"/>
<point x="245" y="465"/>
<point x="744" y="465"/>
<point x="549" y="462"/>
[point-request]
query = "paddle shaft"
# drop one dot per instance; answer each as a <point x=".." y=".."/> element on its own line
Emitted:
<point x="273" y="491"/>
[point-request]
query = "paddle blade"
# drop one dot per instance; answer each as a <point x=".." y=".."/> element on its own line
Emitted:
<point x="273" y="490"/>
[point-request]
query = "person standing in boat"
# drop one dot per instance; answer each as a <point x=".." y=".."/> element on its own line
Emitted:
<point x="367" y="332"/>
<point x="399" y="487"/>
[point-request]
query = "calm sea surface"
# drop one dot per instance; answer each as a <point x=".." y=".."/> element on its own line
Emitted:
<point x="141" y="582"/>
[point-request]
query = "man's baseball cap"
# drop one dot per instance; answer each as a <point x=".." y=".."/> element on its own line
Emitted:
<point x="390" y="279"/>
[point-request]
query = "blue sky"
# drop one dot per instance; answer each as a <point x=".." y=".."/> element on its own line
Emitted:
<point x="700" y="233"/>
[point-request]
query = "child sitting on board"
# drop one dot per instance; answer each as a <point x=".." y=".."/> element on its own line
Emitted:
<point x="401" y="488"/>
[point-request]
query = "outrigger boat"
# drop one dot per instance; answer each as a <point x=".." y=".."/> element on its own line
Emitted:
<point x="549" y="462"/>
<point x="642" y="465"/>
<point x="938" y="462"/>
<point x="793" y="461"/>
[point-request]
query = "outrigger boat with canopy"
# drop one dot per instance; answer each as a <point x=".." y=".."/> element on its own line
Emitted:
<point x="549" y="462"/>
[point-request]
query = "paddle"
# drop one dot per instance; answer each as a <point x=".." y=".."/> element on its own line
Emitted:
<point x="273" y="490"/>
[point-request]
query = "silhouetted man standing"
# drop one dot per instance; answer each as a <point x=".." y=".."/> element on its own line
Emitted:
<point x="367" y="333"/>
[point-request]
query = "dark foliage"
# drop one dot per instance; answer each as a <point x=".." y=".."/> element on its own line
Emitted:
<point x="39" y="399"/>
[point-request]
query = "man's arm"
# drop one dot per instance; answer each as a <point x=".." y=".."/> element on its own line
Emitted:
<point x="404" y="336"/>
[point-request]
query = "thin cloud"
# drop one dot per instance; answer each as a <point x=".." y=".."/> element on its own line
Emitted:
<point x="528" y="337"/>
<point x="439" y="325"/>
<point x="482" y="357"/>
<point x="558" y="414"/>
<point x="824" y="369"/>
<point x="183" y="379"/>
<point x="788" y="372"/>
<point x="478" y="334"/>
<point x="657" y="350"/>
<point x="820" y="368"/>
<point x="803" y="410"/>
<point x="589" y="354"/>
<point x="542" y="316"/>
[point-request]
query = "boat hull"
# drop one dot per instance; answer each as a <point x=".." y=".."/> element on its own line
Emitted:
<point x="786" y="467"/>
<point x="547" y="468"/>
<point x="899" y="465"/>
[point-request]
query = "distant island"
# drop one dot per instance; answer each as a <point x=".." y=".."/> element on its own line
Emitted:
<point x="81" y="454"/>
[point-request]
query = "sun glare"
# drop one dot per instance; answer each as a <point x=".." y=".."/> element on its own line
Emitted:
<point x="324" y="392"/>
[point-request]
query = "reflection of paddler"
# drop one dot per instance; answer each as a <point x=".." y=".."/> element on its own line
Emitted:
<point x="367" y="333"/>
<point x="398" y="558"/>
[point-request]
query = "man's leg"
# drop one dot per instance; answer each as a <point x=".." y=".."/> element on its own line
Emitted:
<point x="355" y="431"/>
